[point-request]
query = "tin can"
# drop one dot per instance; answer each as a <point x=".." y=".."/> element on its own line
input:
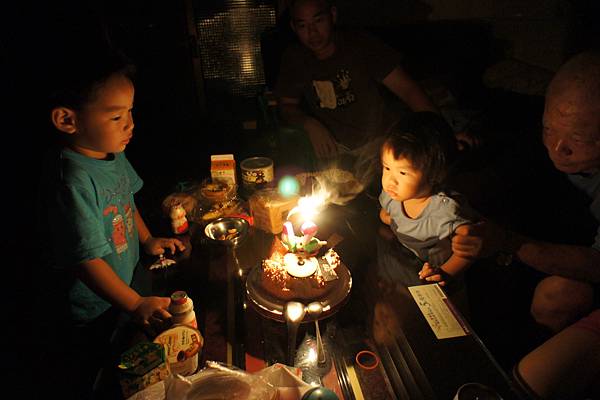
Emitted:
<point x="257" y="172"/>
<point x="182" y="309"/>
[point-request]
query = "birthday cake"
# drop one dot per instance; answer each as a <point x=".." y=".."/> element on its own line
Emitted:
<point x="295" y="274"/>
<point x="299" y="268"/>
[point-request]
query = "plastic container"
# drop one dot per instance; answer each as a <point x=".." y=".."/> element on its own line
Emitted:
<point x="183" y="345"/>
<point x="182" y="309"/>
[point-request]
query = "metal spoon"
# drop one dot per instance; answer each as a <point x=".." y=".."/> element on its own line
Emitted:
<point x="294" y="312"/>
<point x="314" y="310"/>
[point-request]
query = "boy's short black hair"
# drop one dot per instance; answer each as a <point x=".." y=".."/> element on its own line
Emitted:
<point x="427" y="141"/>
<point x="76" y="82"/>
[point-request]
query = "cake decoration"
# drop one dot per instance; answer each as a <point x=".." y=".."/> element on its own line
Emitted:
<point x="300" y="267"/>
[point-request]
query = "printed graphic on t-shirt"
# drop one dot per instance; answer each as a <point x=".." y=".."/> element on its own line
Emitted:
<point x="120" y="193"/>
<point x="336" y="93"/>
<point x="119" y="236"/>
<point x="129" y="220"/>
<point x="120" y="228"/>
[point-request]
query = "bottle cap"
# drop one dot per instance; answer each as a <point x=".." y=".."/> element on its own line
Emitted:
<point x="179" y="297"/>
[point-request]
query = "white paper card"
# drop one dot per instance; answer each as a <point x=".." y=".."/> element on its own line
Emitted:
<point x="440" y="314"/>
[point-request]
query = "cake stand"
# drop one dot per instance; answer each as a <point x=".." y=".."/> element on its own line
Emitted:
<point x="294" y="312"/>
<point x="273" y="308"/>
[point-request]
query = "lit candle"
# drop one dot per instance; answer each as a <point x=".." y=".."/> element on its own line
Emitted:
<point x="288" y="230"/>
<point x="309" y="230"/>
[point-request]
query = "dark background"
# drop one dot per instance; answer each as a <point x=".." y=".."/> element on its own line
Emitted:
<point x="179" y="124"/>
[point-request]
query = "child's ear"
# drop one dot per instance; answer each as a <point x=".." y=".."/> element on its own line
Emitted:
<point x="63" y="119"/>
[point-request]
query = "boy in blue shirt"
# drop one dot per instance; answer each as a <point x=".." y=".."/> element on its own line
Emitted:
<point x="89" y="214"/>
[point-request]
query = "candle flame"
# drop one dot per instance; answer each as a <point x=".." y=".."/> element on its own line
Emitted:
<point x="309" y="206"/>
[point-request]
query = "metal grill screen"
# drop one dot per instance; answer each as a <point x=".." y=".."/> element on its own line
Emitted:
<point x="229" y="41"/>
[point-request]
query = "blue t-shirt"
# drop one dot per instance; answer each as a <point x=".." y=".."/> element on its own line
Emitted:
<point x="429" y="235"/>
<point x="89" y="210"/>
<point x="591" y="186"/>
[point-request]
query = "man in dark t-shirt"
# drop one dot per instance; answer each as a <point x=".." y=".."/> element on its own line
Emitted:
<point x="333" y="82"/>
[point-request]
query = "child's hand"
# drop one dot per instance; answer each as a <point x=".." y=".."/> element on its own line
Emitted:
<point x="384" y="216"/>
<point x="151" y="312"/>
<point x="156" y="246"/>
<point x="433" y="274"/>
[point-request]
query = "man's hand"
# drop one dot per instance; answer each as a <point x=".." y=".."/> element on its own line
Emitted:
<point x="322" y="141"/>
<point x="479" y="240"/>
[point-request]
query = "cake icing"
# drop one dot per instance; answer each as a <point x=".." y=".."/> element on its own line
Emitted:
<point x="288" y="275"/>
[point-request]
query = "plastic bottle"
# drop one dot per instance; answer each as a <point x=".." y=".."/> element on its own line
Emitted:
<point x="182" y="309"/>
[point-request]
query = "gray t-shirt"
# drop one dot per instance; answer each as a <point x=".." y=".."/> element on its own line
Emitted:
<point x="429" y="235"/>
<point x="345" y="91"/>
<point x="591" y="186"/>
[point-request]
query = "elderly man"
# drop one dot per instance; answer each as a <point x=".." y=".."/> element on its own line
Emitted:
<point x="572" y="139"/>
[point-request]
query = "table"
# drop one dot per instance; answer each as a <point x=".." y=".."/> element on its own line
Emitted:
<point x="380" y="315"/>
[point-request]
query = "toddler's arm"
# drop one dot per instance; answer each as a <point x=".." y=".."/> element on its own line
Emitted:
<point x="385" y="217"/>
<point x="103" y="281"/>
<point x="452" y="267"/>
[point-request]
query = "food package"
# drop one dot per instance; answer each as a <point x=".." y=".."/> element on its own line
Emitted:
<point x="219" y="381"/>
<point x="222" y="168"/>
<point x="211" y="192"/>
<point x="218" y="199"/>
<point x="269" y="209"/>
<point x="141" y="366"/>
<point x="341" y="185"/>
<point x="183" y="345"/>
<point x="287" y="380"/>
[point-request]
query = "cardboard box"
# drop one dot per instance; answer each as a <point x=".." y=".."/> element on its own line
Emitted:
<point x="222" y="168"/>
<point x="270" y="209"/>
<point x="141" y="366"/>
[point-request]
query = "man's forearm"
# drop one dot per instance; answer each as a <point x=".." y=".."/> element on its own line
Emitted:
<point x="417" y="100"/>
<point x="292" y="114"/>
<point x="408" y="90"/>
<point x="574" y="262"/>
